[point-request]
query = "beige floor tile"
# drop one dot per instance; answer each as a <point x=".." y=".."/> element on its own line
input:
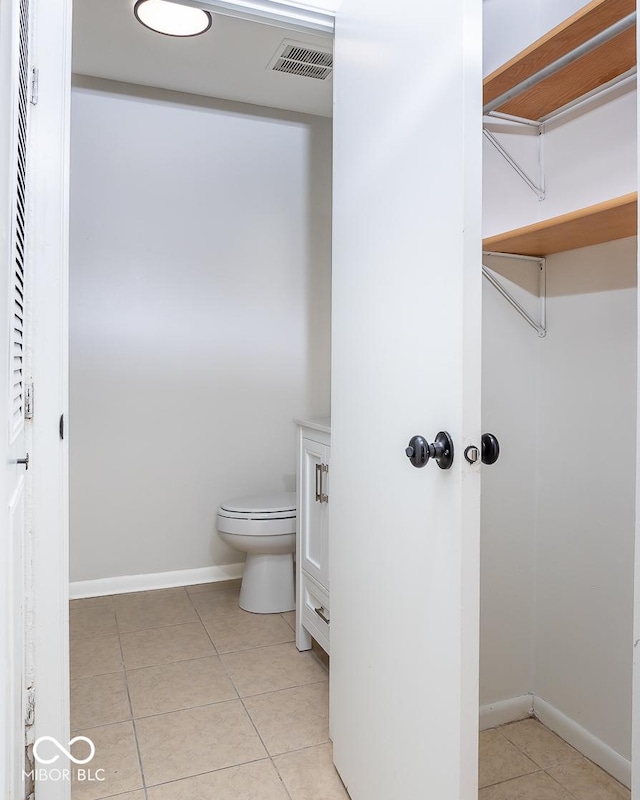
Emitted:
<point x="538" y="786"/>
<point x="184" y="684"/>
<point x="187" y="743"/>
<point x="256" y="781"/>
<point x="221" y="603"/>
<point x="586" y="781"/>
<point x="97" y="655"/>
<point x="149" y="594"/>
<point x="252" y="630"/>
<point x="88" y="602"/>
<point x="292" y="718"/>
<point x="117" y="755"/>
<point x="500" y="760"/>
<point x="320" y="654"/>
<point x="97" y="620"/>
<point x="310" y="775"/>
<point x="268" y="669"/>
<point x="140" y="615"/>
<point x="290" y="618"/>
<point x="139" y="795"/>
<point x="538" y="742"/>
<point x="99" y="700"/>
<point x="165" y="645"/>
<point x="215" y="586"/>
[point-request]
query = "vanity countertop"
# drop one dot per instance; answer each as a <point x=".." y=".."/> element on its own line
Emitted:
<point x="319" y="424"/>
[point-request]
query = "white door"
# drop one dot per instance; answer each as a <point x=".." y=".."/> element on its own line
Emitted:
<point x="406" y="360"/>
<point x="13" y="101"/>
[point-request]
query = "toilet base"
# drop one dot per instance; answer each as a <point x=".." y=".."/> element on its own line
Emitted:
<point x="267" y="583"/>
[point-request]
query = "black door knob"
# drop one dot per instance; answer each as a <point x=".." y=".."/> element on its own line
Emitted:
<point x="420" y="451"/>
<point x="490" y="448"/>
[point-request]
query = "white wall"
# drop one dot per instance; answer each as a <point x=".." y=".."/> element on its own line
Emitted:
<point x="589" y="156"/>
<point x="557" y="512"/>
<point x="200" y="304"/>
<point x="510" y="355"/>
<point x="510" y="27"/>
<point x="586" y="490"/>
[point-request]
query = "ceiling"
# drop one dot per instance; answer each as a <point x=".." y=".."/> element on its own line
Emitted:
<point x="229" y="61"/>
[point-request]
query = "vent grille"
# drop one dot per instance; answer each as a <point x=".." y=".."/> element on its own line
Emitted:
<point x="298" y="59"/>
<point x="16" y="363"/>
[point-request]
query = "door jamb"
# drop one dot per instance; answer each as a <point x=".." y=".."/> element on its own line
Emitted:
<point x="291" y="16"/>
<point x="49" y="143"/>
<point x="49" y="167"/>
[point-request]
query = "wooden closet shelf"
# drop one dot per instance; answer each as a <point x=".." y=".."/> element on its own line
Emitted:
<point x="582" y="76"/>
<point x="604" y="222"/>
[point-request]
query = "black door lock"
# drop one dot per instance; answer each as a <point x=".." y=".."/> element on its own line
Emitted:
<point x="420" y="451"/>
<point x="490" y="448"/>
<point x="489" y="451"/>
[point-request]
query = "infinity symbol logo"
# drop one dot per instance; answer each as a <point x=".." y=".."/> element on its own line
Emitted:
<point x="63" y="750"/>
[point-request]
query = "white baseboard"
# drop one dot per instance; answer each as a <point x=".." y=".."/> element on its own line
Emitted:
<point x="580" y="738"/>
<point x="157" y="580"/>
<point x="511" y="710"/>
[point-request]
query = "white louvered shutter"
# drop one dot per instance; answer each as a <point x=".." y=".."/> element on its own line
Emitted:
<point x="17" y="314"/>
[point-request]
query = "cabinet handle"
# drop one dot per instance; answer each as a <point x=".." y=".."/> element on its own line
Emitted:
<point x="321" y="497"/>
<point x="324" y="469"/>
<point x="321" y="614"/>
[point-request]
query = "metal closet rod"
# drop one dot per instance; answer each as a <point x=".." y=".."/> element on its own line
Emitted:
<point x="592" y="44"/>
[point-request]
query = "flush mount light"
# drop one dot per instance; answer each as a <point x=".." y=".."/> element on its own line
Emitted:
<point x="172" y="19"/>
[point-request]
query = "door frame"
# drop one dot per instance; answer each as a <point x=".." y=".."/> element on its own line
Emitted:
<point x="290" y="15"/>
<point x="49" y="508"/>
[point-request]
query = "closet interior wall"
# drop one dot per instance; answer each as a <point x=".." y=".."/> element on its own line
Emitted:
<point x="558" y="508"/>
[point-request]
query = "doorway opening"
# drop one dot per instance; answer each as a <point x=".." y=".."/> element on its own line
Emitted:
<point x="558" y="522"/>
<point x="200" y="297"/>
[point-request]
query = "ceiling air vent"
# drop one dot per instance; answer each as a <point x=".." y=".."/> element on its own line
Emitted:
<point x="296" y="58"/>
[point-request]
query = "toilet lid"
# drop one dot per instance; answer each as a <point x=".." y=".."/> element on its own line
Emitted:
<point x="281" y="503"/>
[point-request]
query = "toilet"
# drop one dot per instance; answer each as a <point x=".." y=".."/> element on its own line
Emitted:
<point x="264" y="527"/>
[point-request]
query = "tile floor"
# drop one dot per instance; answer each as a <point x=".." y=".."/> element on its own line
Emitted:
<point x="187" y="696"/>
<point x="526" y="761"/>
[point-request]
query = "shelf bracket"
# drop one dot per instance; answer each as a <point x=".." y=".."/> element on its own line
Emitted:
<point x="537" y="188"/>
<point x="541" y="326"/>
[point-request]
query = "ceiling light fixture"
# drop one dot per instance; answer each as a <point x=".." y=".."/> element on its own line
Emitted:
<point x="172" y="19"/>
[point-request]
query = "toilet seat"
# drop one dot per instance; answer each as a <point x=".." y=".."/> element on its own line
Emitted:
<point x="265" y="506"/>
<point x="259" y="515"/>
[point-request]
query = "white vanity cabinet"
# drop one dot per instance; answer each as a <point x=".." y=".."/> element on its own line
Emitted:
<point x="312" y="533"/>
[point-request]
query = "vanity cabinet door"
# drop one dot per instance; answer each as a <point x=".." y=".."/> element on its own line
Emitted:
<point x="314" y="517"/>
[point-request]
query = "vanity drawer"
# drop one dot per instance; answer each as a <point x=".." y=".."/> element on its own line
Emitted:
<point x="315" y="610"/>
